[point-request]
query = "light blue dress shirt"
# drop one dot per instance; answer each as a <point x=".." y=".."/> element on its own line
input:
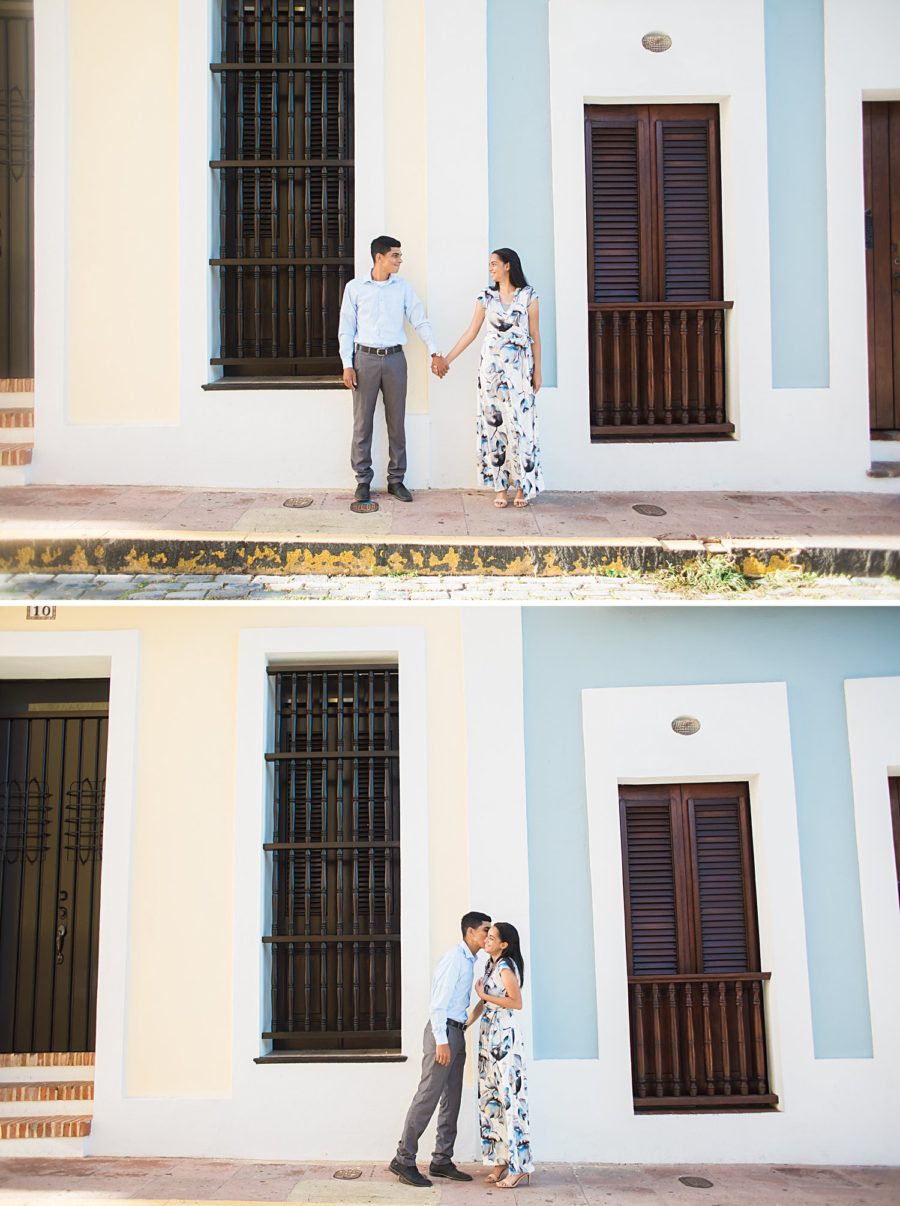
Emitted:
<point x="451" y="989"/>
<point x="372" y="313"/>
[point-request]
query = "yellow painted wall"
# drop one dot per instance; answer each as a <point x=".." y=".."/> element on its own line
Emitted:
<point x="406" y="183"/>
<point x="182" y="858"/>
<point x="122" y="273"/>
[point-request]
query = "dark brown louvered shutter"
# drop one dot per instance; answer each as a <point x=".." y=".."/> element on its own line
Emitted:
<point x="650" y="889"/>
<point x="616" y="243"/>
<point x="688" y="866"/>
<point x="722" y="880"/>
<point x="654" y="203"/>
<point x="687" y="217"/>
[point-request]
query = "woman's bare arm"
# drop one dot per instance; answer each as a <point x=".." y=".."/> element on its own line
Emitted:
<point x="534" y="330"/>
<point x="467" y="337"/>
<point x="513" y="998"/>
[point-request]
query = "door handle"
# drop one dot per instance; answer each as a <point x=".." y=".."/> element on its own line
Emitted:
<point x="61" y="932"/>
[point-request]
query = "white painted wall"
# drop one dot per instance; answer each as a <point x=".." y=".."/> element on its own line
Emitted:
<point x="830" y="1111"/>
<point x="787" y="439"/>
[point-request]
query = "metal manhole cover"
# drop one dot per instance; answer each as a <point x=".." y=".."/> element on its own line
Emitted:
<point x="363" y="508"/>
<point x="696" y="1182"/>
<point x="347" y="1174"/>
<point x="648" y="509"/>
<point x="298" y="503"/>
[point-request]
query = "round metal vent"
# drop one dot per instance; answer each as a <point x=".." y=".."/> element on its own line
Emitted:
<point x="347" y="1174"/>
<point x="685" y="726"/>
<point x="648" y="509"/>
<point x="656" y="41"/>
<point x="298" y="502"/>
<point x="696" y="1182"/>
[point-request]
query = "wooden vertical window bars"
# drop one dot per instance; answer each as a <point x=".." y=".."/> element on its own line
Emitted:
<point x="285" y="185"/>
<point x="335" y="862"/>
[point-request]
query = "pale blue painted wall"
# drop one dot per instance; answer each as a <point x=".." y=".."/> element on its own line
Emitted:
<point x="798" y="212"/>
<point x="520" y="179"/>
<point x="569" y="648"/>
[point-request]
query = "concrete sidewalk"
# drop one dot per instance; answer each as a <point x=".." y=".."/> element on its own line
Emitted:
<point x="138" y="529"/>
<point x="38" y="1182"/>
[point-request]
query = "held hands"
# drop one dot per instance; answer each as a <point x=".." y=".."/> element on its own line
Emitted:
<point x="440" y="366"/>
<point x="349" y="378"/>
<point x="442" y="1054"/>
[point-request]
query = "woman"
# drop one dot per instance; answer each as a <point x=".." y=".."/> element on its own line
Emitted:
<point x="508" y="380"/>
<point x="502" y="1091"/>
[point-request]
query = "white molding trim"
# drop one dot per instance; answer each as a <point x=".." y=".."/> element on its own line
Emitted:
<point x="745" y="735"/>
<point x="873" y="724"/>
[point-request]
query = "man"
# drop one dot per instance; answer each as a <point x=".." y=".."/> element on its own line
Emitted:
<point x="443" y="1060"/>
<point x="371" y="339"/>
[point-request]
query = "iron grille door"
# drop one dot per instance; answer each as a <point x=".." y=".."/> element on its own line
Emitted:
<point x="16" y="189"/>
<point x="285" y="184"/>
<point x="335" y="861"/>
<point x="695" y="984"/>
<point x="52" y="794"/>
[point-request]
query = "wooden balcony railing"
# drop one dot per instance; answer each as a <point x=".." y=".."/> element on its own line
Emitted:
<point x="658" y="370"/>
<point x="699" y="1042"/>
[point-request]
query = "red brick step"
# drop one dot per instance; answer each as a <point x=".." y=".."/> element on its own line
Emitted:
<point x="15" y="454"/>
<point x="47" y="1090"/>
<point x="46" y="1126"/>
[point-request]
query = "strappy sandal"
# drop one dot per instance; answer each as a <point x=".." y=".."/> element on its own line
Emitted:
<point x="500" y="1171"/>
<point x="500" y="500"/>
<point x="520" y="501"/>
<point x="514" y="1182"/>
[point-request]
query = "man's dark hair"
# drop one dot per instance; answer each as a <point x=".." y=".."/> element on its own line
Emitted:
<point x="471" y="921"/>
<point x="382" y="245"/>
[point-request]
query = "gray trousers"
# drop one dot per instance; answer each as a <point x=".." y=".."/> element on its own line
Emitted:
<point x="439" y="1083"/>
<point x="386" y="374"/>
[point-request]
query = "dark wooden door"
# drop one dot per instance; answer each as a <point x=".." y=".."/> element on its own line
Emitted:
<point x="881" y="142"/>
<point x="52" y="786"/>
<point x="695" y="983"/>
<point x="894" y="785"/>
<point x="16" y="189"/>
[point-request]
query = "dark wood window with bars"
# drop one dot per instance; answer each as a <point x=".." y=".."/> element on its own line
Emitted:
<point x="655" y="308"/>
<point x="285" y="185"/>
<point x="17" y="191"/>
<point x="696" y="991"/>
<point x="335" y="862"/>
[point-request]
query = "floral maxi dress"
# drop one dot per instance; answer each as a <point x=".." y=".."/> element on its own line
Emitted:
<point x="507" y="430"/>
<point x="502" y="1088"/>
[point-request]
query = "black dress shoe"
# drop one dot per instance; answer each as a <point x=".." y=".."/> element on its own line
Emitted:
<point x="362" y="493"/>
<point x="450" y="1171"/>
<point x="409" y="1174"/>
<point x="399" y="491"/>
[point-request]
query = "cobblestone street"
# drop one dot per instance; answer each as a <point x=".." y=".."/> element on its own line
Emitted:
<point x="594" y="588"/>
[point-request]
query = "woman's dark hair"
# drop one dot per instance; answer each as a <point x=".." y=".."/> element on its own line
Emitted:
<point x="516" y="275"/>
<point x="510" y="935"/>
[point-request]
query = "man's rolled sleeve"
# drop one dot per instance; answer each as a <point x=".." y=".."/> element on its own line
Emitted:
<point x="418" y="320"/>
<point x="442" y="985"/>
<point x="347" y="325"/>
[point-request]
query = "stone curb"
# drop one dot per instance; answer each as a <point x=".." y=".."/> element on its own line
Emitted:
<point x="149" y="556"/>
